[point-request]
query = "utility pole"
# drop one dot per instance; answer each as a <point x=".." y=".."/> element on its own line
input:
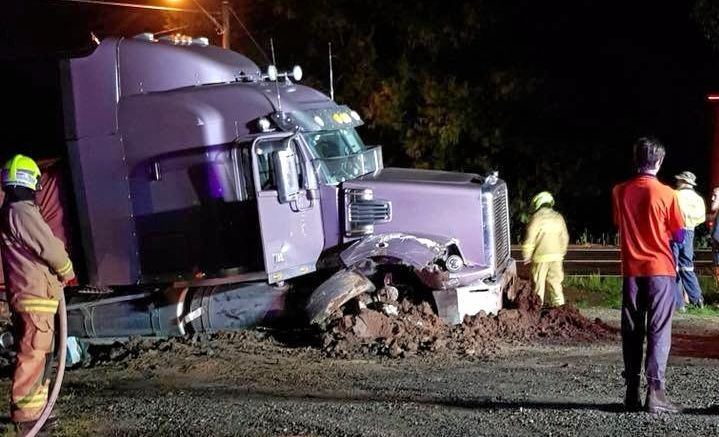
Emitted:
<point x="225" y="24"/>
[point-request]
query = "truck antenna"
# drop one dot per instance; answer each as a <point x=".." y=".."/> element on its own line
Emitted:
<point x="332" y="82"/>
<point x="277" y="85"/>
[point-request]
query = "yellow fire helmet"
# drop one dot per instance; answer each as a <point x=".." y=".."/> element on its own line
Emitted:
<point x="21" y="171"/>
<point x="541" y="199"/>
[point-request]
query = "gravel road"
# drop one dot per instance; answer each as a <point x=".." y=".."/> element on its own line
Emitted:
<point x="255" y="385"/>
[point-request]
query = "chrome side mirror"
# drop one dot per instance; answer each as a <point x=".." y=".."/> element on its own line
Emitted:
<point x="285" y="169"/>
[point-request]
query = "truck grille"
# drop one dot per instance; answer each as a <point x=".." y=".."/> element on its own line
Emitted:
<point x="370" y="212"/>
<point x="501" y="226"/>
<point x="495" y="214"/>
<point x="363" y="211"/>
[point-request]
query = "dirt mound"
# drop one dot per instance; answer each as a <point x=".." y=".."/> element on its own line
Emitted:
<point x="385" y="329"/>
<point x="415" y="329"/>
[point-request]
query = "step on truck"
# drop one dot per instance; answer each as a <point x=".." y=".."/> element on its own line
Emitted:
<point x="211" y="194"/>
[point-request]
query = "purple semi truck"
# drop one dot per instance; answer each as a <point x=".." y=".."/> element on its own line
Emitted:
<point x="211" y="195"/>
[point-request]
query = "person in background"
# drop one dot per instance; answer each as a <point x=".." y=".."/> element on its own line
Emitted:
<point x="36" y="266"/>
<point x="694" y="212"/>
<point x="545" y="246"/>
<point x="648" y="216"/>
<point x="714" y="231"/>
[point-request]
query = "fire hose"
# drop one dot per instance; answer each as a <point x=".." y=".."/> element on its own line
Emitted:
<point x="62" y="354"/>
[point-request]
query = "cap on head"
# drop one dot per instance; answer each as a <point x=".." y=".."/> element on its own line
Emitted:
<point x="541" y="199"/>
<point x="21" y="171"/>
<point x="687" y="177"/>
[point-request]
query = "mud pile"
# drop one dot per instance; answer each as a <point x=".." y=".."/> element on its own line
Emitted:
<point x="401" y="329"/>
<point x="415" y="329"/>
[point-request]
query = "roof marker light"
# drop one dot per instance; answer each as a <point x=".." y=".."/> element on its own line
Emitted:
<point x="297" y="73"/>
<point x="264" y="124"/>
<point x="319" y="121"/>
<point x="272" y="72"/>
<point x="201" y="41"/>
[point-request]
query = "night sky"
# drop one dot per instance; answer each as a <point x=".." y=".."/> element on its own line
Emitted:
<point x="611" y="71"/>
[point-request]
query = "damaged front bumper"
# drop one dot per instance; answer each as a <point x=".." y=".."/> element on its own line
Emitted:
<point x="457" y="294"/>
<point x="456" y="298"/>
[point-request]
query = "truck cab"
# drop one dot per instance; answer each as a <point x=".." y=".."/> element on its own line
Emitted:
<point x="190" y="163"/>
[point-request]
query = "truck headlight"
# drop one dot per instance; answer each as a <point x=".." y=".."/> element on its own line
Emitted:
<point x="454" y="263"/>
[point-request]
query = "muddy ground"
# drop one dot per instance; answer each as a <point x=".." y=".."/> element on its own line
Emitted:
<point x="265" y="383"/>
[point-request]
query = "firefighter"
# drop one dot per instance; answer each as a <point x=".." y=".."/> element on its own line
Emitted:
<point x="545" y="246"/>
<point x="694" y="212"/>
<point x="36" y="268"/>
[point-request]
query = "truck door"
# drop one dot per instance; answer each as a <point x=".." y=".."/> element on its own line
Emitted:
<point x="289" y="210"/>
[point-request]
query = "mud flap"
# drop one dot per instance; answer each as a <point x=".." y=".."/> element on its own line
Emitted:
<point x="339" y="289"/>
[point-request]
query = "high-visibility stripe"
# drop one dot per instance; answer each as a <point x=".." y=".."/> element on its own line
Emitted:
<point x="37" y="310"/>
<point x="37" y="305"/>
<point x="32" y="401"/>
<point x="65" y="269"/>
<point x="32" y="405"/>
<point x="39" y="301"/>
<point x="545" y="258"/>
<point x="687" y="269"/>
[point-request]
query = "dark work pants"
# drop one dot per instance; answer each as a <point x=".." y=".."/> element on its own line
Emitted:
<point x="686" y="278"/>
<point x="647" y="307"/>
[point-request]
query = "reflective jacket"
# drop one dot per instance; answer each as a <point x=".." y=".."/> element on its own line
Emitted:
<point x="34" y="260"/>
<point x="547" y="237"/>
<point x="692" y="206"/>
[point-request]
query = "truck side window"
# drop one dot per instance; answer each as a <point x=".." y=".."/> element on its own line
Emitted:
<point x="245" y="165"/>
<point x="267" y="174"/>
<point x="298" y="163"/>
<point x="218" y="172"/>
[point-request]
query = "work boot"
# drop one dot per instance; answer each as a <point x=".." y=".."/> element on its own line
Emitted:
<point x="657" y="402"/>
<point x="23" y="428"/>
<point x="632" y="398"/>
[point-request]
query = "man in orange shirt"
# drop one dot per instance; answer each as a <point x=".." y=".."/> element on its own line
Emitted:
<point x="648" y="216"/>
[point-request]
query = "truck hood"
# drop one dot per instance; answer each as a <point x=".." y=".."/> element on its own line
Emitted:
<point x="428" y="202"/>
<point x="423" y="177"/>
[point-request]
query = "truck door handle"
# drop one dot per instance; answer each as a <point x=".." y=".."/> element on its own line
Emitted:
<point x="309" y="195"/>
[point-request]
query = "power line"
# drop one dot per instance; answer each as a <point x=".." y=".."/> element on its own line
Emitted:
<point x="247" y="31"/>
<point x="132" y="5"/>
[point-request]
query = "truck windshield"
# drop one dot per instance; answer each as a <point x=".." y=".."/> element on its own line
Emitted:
<point x="339" y="155"/>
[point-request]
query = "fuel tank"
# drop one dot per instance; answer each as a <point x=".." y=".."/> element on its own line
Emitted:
<point x="174" y="311"/>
